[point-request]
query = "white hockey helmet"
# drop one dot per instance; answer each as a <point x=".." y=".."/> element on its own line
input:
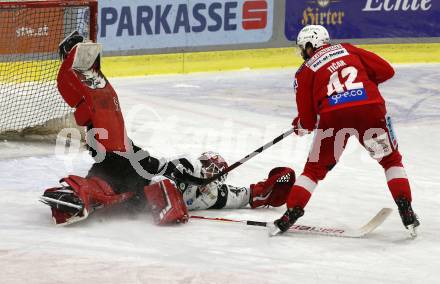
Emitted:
<point x="314" y="36"/>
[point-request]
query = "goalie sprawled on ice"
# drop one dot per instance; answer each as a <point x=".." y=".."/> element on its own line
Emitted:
<point x="123" y="172"/>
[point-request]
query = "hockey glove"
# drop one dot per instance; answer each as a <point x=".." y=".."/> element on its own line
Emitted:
<point x="181" y="172"/>
<point x="68" y="43"/>
<point x="273" y="191"/>
<point x="166" y="203"/>
<point x="297" y="127"/>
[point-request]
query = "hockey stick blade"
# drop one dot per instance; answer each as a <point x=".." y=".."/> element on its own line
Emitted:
<point x="369" y="227"/>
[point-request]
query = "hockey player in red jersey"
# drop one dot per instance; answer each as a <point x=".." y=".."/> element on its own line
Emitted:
<point x="337" y="96"/>
<point x="123" y="172"/>
<point x="121" y="169"/>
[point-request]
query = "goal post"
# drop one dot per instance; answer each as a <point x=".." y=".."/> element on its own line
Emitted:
<point x="30" y="32"/>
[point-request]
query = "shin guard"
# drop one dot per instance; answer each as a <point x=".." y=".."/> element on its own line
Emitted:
<point x="78" y="197"/>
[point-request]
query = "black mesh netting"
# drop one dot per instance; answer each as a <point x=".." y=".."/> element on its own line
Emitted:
<point x="29" y="38"/>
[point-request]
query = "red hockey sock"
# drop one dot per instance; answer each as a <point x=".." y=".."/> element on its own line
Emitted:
<point x="301" y="192"/>
<point x="400" y="187"/>
<point x="398" y="183"/>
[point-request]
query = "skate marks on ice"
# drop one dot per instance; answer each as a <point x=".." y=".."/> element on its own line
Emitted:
<point x="79" y="269"/>
<point x="16" y="149"/>
<point x="413" y="95"/>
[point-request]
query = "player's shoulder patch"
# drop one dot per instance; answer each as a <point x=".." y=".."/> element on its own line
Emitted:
<point x="295" y="85"/>
<point x="324" y="56"/>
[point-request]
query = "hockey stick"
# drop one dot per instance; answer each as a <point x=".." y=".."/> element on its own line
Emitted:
<point x="200" y="181"/>
<point x="369" y="227"/>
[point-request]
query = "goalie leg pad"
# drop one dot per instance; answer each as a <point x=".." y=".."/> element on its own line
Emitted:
<point x="166" y="203"/>
<point x="273" y="191"/>
<point x="95" y="192"/>
<point x="79" y="197"/>
<point x="65" y="205"/>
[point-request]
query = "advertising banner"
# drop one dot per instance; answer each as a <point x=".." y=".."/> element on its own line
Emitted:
<point x="140" y="24"/>
<point x="360" y="19"/>
<point x="26" y="31"/>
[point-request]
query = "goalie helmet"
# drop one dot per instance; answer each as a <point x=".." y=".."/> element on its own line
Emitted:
<point x="314" y="36"/>
<point x="212" y="164"/>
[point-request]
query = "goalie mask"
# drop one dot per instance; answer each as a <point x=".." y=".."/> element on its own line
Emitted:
<point x="212" y="164"/>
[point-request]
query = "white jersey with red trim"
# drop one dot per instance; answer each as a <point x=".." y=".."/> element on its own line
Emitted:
<point x="215" y="195"/>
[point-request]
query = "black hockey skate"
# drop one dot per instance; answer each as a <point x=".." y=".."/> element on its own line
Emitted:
<point x="409" y="218"/>
<point x="287" y="220"/>
<point x="63" y="199"/>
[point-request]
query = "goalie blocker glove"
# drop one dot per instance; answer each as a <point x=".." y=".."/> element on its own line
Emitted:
<point x="166" y="203"/>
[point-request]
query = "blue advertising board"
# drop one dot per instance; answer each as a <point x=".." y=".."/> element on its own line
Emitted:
<point x="346" y="19"/>
<point x="140" y="24"/>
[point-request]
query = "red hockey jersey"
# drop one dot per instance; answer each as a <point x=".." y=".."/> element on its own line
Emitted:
<point x="336" y="77"/>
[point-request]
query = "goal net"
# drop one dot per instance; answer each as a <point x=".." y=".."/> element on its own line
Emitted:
<point x="30" y="32"/>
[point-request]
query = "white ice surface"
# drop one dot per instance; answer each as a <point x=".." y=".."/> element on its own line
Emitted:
<point x="233" y="113"/>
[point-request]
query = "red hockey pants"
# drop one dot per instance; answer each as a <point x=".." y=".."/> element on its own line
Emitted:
<point x="373" y="129"/>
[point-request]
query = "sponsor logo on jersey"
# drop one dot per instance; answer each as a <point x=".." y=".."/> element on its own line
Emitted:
<point x="325" y="56"/>
<point x="140" y="24"/>
<point x="348" y="97"/>
<point x="391" y="132"/>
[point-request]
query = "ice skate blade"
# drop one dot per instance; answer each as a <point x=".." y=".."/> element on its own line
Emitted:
<point x="412" y="231"/>
<point x="273" y="230"/>
<point x="49" y="201"/>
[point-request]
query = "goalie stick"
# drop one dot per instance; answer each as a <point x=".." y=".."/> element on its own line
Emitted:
<point x="188" y="178"/>
<point x="369" y="227"/>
